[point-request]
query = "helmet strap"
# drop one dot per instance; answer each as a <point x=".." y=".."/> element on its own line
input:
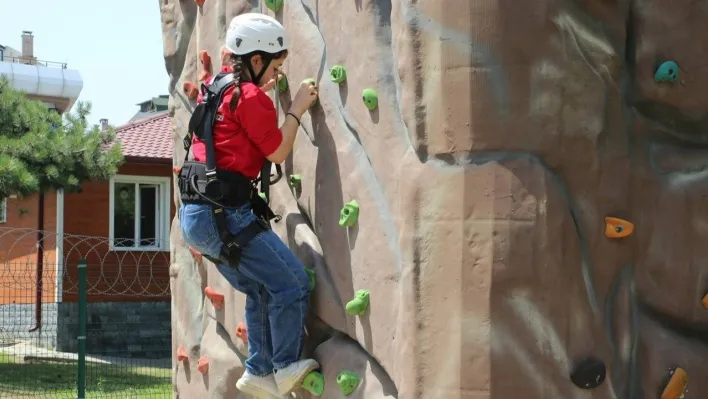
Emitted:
<point x="249" y="65"/>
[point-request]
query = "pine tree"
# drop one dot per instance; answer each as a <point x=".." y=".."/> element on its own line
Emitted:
<point x="41" y="150"/>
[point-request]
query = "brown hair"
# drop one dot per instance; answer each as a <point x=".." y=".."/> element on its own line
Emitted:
<point x="237" y="65"/>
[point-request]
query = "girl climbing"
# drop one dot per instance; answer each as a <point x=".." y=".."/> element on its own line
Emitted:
<point x="245" y="134"/>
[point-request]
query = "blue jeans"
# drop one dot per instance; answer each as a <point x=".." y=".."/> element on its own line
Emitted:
<point x="276" y="285"/>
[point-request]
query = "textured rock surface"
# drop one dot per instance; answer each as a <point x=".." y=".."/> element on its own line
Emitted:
<point x="503" y="136"/>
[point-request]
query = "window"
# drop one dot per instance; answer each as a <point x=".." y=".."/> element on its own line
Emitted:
<point x="139" y="213"/>
<point x="3" y="210"/>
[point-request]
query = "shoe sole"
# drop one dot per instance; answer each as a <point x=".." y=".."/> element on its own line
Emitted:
<point x="300" y="377"/>
<point x="255" y="391"/>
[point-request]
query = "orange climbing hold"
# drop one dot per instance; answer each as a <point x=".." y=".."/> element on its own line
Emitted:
<point x="242" y="332"/>
<point x="203" y="365"/>
<point x="705" y="301"/>
<point x="206" y="65"/>
<point x="618" y="228"/>
<point x="216" y="299"/>
<point x="677" y="385"/>
<point x="182" y="354"/>
<point x="190" y="90"/>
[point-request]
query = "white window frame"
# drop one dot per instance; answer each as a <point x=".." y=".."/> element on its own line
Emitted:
<point x="163" y="216"/>
<point x="3" y="213"/>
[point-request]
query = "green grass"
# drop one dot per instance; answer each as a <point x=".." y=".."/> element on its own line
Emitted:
<point x="58" y="380"/>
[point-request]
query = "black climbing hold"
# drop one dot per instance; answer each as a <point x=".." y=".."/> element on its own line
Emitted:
<point x="589" y="373"/>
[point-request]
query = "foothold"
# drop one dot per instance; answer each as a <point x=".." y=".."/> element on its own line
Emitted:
<point x="205" y="60"/>
<point x="349" y="214"/>
<point x="315" y="84"/>
<point x="312" y="276"/>
<point x="371" y="99"/>
<point x="190" y="90"/>
<point x="314" y="383"/>
<point x="677" y="385"/>
<point x="617" y="228"/>
<point x="347" y="381"/>
<point x="589" y="373"/>
<point x="283" y="83"/>
<point x="274" y="5"/>
<point x="667" y="72"/>
<point x="295" y="181"/>
<point x="262" y="195"/>
<point x="359" y="304"/>
<point x="705" y="301"/>
<point x="182" y="354"/>
<point x="242" y="332"/>
<point x="200" y="2"/>
<point x="216" y="299"/>
<point x="338" y="74"/>
<point x="203" y="365"/>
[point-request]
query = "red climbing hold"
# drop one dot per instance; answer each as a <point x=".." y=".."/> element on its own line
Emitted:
<point x="195" y="254"/>
<point x="216" y="299"/>
<point x="190" y="90"/>
<point x="200" y="2"/>
<point x="182" y="354"/>
<point x="225" y="55"/>
<point x="206" y="65"/>
<point x="242" y="332"/>
<point x="203" y="365"/>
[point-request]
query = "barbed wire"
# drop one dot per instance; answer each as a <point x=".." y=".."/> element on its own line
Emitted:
<point x="113" y="268"/>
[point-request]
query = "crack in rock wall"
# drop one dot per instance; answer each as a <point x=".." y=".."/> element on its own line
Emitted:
<point x="505" y="134"/>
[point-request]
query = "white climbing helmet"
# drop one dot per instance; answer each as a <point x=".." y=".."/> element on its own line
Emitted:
<point x="252" y="31"/>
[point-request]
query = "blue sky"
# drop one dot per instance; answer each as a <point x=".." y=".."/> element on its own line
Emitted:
<point x="115" y="45"/>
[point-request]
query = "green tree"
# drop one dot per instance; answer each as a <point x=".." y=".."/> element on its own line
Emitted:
<point x="40" y="149"/>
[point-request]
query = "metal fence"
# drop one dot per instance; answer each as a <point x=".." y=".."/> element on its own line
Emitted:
<point x="81" y="320"/>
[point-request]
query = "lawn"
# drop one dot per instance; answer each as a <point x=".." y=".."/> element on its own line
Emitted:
<point x="58" y="380"/>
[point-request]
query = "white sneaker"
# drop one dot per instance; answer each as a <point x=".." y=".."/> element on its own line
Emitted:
<point x="259" y="387"/>
<point x="290" y="378"/>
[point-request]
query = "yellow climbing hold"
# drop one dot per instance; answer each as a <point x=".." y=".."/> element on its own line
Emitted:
<point x="677" y="385"/>
<point x="617" y="228"/>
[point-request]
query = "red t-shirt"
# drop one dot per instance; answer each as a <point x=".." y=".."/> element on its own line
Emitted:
<point x="244" y="138"/>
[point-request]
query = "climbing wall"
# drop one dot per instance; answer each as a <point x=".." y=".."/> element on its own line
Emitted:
<point x="495" y="200"/>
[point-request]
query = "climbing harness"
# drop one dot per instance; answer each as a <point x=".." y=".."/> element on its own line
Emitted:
<point x="204" y="183"/>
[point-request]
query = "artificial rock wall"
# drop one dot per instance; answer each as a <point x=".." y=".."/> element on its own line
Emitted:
<point x="506" y="134"/>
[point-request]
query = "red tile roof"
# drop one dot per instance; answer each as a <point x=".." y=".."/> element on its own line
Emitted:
<point x="149" y="138"/>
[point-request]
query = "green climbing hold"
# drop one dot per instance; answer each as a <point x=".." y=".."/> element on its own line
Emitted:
<point x="359" y="304"/>
<point x="295" y="181"/>
<point x="311" y="275"/>
<point x="314" y="383"/>
<point x="347" y="381"/>
<point x="349" y="214"/>
<point x="371" y="99"/>
<point x="667" y="72"/>
<point x="274" y="5"/>
<point x="314" y="83"/>
<point x="338" y="74"/>
<point x="283" y="84"/>
<point x="262" y="195"/>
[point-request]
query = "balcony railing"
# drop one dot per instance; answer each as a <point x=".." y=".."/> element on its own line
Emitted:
<point x="30" y="61"/>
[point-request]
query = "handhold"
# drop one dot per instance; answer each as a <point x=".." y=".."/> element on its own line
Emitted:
<point x="274" y="5"/>
<point x="295" y="181"/>
<point x="203" y="365"/>
<point x="216" y="299"/>
<point x="617" y="228"/>
<point x="262" y="195"/>
<point x="589" y="373"/>
<point x="182" y="354"/>
<point x="190" y="90"/>
<point x="200" y="2"/>
<point x="371" y="99"/>
<point x="705" y="301"/>
<point x="677" y="385"/>
<point x="315" y="84"/>
<point x="312" y="276"/>
<point x="283" y="83"/>
<point x="349" y="214"/>
<point x="242" y="332"/>
<point x="347" y="381"/>
<point x="314" y="383"/>
<point x="338" y="74"/>
<point x="359" y="304"/>
<point x="205" y="60"/>
<point x="667" y="72"/>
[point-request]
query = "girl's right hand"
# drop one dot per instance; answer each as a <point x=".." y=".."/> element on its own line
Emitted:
<point x="304" y="98"/>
